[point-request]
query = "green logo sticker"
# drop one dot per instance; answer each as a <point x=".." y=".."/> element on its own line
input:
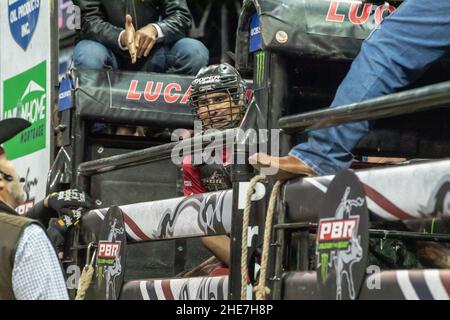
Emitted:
<point x="25" y="96"/>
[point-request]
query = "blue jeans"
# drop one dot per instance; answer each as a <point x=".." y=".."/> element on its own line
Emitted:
<point x="393" y="56"/>
<point x="186" y="56"/>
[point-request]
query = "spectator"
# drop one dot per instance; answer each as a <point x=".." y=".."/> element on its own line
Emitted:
<point x="130" y="35"/>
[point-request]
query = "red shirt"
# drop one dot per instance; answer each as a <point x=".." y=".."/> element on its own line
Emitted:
<point x="192" y="175"/>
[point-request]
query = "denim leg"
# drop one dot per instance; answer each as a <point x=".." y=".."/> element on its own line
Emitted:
<point x="156" y="61"/>
<point x="393" y="56"/>
<point x="187" y="56"/>
<point x="93" y="55"/>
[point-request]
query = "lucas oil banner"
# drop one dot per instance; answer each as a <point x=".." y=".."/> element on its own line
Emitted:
<point x="25" y="82"/>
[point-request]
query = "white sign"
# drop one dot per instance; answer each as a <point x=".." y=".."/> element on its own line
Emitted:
<point x="26" y="89"/>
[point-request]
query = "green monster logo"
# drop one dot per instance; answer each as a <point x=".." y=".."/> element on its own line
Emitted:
<point x="260" y="63"/>
<point x="324" y="266"/>
<point x="25" y="97"/>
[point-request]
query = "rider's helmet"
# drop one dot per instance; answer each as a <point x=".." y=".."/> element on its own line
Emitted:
<point x="218" y="97"/>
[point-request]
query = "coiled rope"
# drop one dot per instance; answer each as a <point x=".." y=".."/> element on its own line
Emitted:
<point x="244" y="242"/>
<point x="261" y="290"/>
<point x="85" y="279"/>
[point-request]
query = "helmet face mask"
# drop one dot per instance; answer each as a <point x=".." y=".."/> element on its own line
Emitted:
<point x="218" y="97"/>
<point x="218" y="110"/>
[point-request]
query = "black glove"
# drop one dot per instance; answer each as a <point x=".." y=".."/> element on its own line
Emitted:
<point x="56" y="232"/>
<point x="69" y="203"/>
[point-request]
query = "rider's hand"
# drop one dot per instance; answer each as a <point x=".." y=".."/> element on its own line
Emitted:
<point x="68" y="203"/>
<point x="128" y="38"/>
<point x="56" y="232"/>
<point x="145" y="39"/>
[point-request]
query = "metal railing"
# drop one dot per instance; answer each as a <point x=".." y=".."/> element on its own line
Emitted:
<point x="152" y="154"/>
<point x="411" y="101"/>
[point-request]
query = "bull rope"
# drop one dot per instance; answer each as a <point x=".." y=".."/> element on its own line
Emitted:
<point x="190" y="273"/>
<point x="85" y="280"/>
<point x="244" y="242"/>
<point x="261" y="290"/>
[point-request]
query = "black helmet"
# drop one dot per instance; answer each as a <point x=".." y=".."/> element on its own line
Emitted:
<point x="210" y="82"/>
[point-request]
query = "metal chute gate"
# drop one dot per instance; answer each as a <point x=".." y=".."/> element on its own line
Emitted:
<point x="405" y="207"/>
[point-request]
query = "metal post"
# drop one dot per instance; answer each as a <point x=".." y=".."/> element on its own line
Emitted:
<point x="240" y="173"/>
<point x="78" y="146"/>
<point x="279" y="254"/>
<point x="224" y="33"/>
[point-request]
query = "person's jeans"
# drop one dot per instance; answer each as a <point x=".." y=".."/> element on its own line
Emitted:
<point x="186" y="56"/>
<point x="393" y="56"/>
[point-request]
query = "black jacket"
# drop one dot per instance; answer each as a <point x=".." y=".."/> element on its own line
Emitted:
<point x="104" y="20"/>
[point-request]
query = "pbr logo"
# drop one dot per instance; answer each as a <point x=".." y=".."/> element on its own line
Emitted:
<point x="342" y="239"/>
<point x="108" y="252"/>
<point x="111" y="256"/>
<point x="23" y="19"/>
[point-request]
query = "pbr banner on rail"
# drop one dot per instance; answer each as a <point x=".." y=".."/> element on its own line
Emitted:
<point x="25" y="89"/>
<point x="342" y="239"/>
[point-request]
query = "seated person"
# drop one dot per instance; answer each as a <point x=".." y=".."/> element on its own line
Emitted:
<point x="395" y="54"/>
<point x="219" y="103"/>
<point x="128" y="35"/>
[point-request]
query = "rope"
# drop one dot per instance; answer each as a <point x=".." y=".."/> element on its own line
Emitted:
<point x="85" y="280"/>
<point x="244" y="244"/>
<point x="187" y="274"/>
<point x="261" y="289"/>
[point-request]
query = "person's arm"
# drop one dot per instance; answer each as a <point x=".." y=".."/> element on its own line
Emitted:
<point x="219" y="246"/>
<point x="176" y="22"/>
<point x="37" y="273"/>
<point x="94" y="25"/>
<point x="59" y="204"/>
<point x="41" y="213"/>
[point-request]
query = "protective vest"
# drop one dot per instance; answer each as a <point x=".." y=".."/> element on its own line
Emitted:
<point x="12" y="227"/>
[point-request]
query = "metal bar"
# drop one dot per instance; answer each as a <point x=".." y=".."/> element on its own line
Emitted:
<point x="376" y="233"/>
<point x="303" y="285"/>
<point x="224" y="33"/>
<point x="280" y="254"/>
<point x="151" y="154"/>
<point x="419" y="236"/>
<point x="303" y="248"/>
<point x="78" y="139"/>
<point x="239" y="173"/>
<point x="296" y="225"/>
<point x="406" y="102"/>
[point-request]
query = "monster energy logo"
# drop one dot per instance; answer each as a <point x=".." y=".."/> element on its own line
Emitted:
<point x="324" y="266"/>
<point x="260" y="63"/>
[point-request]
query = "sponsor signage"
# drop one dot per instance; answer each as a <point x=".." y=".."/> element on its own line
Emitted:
<point x="342" y="239"/>
<point x="26" y="89"/>
<point x="25" y="96"/>
<point x="65" y="95"/>
<point x="110" y="260"/>
<point x="23" y="20"/>
<point x="108" y="252"/>
<point x="357" y="12"/>
<point x="255" y="33"/>
<point x="170" y="93"/>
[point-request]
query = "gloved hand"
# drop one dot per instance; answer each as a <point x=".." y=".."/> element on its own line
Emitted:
<point x="56" y="232"/>
<point x="69" y="203"/>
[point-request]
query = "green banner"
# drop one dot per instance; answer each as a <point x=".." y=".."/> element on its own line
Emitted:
<point x="25" y="96"/>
